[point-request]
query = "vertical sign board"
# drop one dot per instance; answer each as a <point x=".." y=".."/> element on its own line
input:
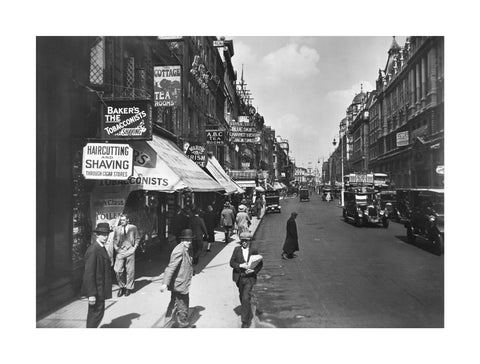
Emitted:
<point x="167" y="86"/>
<point x="402" y="139"/>
<point x="215" y="137"/>
<point x="127" y="120"/>
<point x="107" y="161"/>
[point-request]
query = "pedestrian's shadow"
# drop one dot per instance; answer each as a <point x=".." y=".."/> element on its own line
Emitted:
<point x="124" y="321"/>
<point x="194" y="314"/>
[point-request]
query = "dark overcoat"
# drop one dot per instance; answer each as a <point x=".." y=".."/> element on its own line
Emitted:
<point x="97" y="277"/>
<point x="291" y="241"/>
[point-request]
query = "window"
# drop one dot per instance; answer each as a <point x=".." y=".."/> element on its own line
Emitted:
<point x="97" y="62"/>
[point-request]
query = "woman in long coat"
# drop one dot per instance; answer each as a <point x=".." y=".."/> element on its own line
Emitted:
<point x="291" y="241"/>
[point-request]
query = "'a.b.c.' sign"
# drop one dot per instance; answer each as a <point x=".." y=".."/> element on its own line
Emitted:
<point x="215" y="137"/>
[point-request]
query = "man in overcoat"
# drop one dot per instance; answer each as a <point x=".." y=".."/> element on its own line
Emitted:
<point x="97" y="278"/>
<point x="210" y="219"/>
<point x="199" y="231"/>
<point x="291" y="241"/>
<point x="244" y="277"/>
<point x="125" y="241"/>
<point x="177" y="278"/>
<point x="227" y="221"/>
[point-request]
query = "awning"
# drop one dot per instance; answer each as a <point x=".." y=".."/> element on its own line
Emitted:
<point x="218" y="173"/>
<point x="278" y="186"/>
<point x="246" y="183"/>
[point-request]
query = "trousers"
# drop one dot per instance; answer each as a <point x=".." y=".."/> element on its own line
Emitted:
<point x="95" y="314"/>
<point x="177" y="311"/>
<point x="123" y="263"/>
<point x="245" y="286"/>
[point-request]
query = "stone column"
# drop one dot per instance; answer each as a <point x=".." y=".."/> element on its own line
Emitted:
<point x="417" y="84"/>
<point x="424" y="81"/>
<point x="432" y="68"/>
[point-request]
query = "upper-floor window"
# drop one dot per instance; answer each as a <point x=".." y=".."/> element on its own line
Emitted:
<point x="97" y="61"/>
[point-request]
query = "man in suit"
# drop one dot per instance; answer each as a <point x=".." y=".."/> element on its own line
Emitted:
<point x="177" y="278"/>
<point x="125" y="241"/>
<point x="227" y="220"/>
<point x="199" y="231"/>
<point x="97" y="279"/>
<point x="244" y="277"/>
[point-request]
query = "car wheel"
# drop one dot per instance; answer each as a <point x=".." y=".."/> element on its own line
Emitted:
<point x="410" y="236"/>
<point x="358" y="221"/>
<point x="438" y="241"/>
<point x="385" y="222"/>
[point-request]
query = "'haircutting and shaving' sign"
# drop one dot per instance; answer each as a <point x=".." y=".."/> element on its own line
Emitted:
<point x="107" y="161"/>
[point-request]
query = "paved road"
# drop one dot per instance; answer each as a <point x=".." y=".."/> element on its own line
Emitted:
<point x="346" y="276"/>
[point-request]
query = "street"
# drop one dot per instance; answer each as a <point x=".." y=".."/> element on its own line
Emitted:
<point x="345" y="276"/>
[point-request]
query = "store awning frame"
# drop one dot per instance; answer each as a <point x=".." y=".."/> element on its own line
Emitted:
<point x="214" y="168"/>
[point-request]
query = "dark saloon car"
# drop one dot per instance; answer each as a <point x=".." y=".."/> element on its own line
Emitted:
<point x="362" y="208"/>
<point x="388" y="202"/>
<point x="304" y="194"/>
<point x="427" y="217"/>
<point x="272" y="201"/>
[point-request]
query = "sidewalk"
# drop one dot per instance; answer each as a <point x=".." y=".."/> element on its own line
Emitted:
<point x="214" y="301"/>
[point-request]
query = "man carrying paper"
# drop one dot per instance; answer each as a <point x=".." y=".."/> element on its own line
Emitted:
<point x="246" y="263"/>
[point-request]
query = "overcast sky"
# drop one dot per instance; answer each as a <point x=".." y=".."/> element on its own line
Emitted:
<point x="303" y="85"/>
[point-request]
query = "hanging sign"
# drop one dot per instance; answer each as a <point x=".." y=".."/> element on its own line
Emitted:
<point x="107" y="161"/>
<point x="197" y="153"/>
<point x="402" y="139"/>
<point x="167" y="88"/>
<point x="215" y="137"/>
<point x="127" y="120"/>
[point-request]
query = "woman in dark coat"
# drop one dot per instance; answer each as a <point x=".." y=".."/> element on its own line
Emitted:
<point x="291" y="241"/>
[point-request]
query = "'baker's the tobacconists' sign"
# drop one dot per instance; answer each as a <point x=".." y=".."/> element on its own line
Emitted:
<point x="107" y="161"/>
<point x="127" y="120"/>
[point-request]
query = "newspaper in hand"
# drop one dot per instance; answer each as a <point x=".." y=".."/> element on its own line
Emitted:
<point x="254" y="260"/>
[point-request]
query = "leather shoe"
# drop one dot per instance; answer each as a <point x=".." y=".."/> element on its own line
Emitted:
<point x="121" y="292"/>
<point x="284" y="256"/>
<point x="128" y="292"/>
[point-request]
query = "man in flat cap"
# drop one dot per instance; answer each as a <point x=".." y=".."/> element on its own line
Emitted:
<point x="245" y="274"/>
<point x="97" y="278"/>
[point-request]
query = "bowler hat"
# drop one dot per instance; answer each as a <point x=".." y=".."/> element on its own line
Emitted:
<point x="186" y="234"/>
<point x="102" y="227"/>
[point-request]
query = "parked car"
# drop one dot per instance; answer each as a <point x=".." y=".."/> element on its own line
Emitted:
<point x="362" y="208"/>
<point x="304" y="194"/>
<point x="402" y="206"/>
<point x="427" y="217"/>
<point x="272" y="201"/>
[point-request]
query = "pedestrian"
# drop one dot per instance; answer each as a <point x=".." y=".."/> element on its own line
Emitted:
<point x="199" y="231"/>
<point x="210" y="219"/>
<point x="177" y="278"/>
<point x="242" y="220"/>
<point x="258" y="206"/>
<point x="245" y="275"/>
<point x="125" y="241"/>
<point x="227" y="220"/>
<point x="97" y="277"/>
<point x="291" y="241"/>
<point x="180" y="221"/>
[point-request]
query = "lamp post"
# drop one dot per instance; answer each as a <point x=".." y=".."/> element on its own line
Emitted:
<point x="341" y="161"/>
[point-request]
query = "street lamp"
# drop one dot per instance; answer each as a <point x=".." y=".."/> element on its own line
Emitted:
<point x="341" y="161"/>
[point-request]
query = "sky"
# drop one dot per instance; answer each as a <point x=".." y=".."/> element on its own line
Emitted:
<point x="302" y="86"/>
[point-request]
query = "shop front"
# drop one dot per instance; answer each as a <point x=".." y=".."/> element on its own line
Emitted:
<point x="163" y="179"/>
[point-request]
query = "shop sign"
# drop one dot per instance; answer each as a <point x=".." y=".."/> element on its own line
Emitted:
<point x="440" y="170"/>
<point x="243" y="119"/>
<point x="197" y="153"/>
<point x="402" y="139"/>
<point x="107" y="208"/>
<point x="167" y="88"/>
<point x="218" y="43"/>
<point x="244" y="133"/>
<point x="215" y="137"/>
<point x="127" y="120"/>
<point x="107" y="161"/>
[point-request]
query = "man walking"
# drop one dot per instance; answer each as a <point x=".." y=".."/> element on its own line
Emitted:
<point x="125" y="242"/>
<point x="291" y="241"/>
<point x="97" y="279"/>
<point x="199" y="230"/>
<point x="245" y="276"/>
<point x="177" y="278"/>
<point x="210" y="219"/>
<point x="227" y="219"/>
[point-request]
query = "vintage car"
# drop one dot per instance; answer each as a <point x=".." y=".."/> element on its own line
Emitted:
<point x="325" y="192"/>
<point x="304" y="194"/>
<point x="272" y="201"/>
<point x="427" y="217"/>
<point x="362" y="208"/>
<point x="402" y="206"/>
<point x="388" y="202"/>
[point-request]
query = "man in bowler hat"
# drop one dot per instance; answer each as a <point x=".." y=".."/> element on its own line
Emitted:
<point x="244" y="277"/>
<point x="177" y="278"/>
<point x="97" y="279"/>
